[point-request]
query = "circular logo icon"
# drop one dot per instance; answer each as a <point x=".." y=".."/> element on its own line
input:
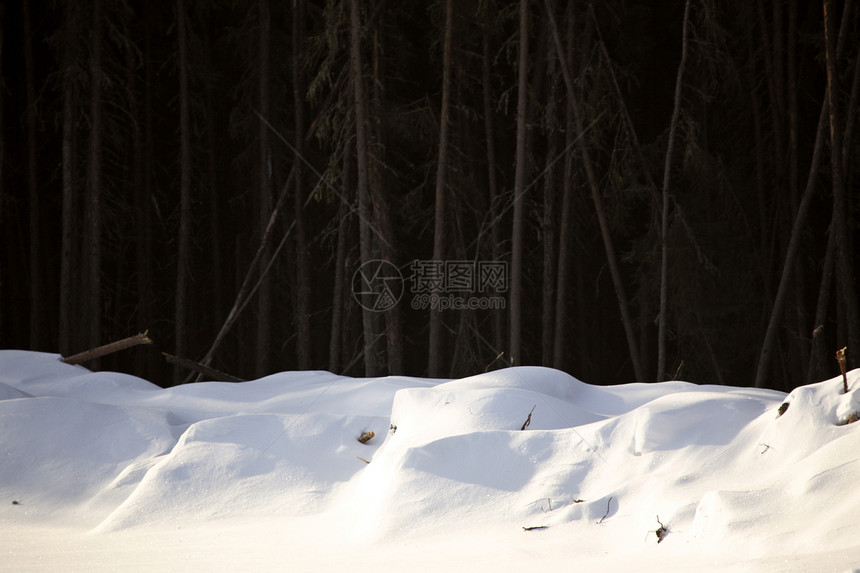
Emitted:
<point x="377" y="285"/>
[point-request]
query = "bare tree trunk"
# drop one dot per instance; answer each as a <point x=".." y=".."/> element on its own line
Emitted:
<point x="563" y="277"/>
<point x="664" y="226"/>
<point x="136" y="181"/>
<point x="378" y="196"/>
<point x="550" y="261"/>
<point x="611" y="257"/>
<point x="263" y="320"/>
<point x="844" y="267"/>
<point x="93" y="209"/>
<point x="36" y="303"/>
<point x="439" y="233"/>
<point x="2" y="150"/>
<point x="371" y="367"/>
<point x="184" y="236"/>
<point x="68" y="253"/>
<point x="818" y="353"/>
<point x="337" y="304"/>
<point x="303" y="288"/>
<point x="145" y="295"/>
<point x="761" y="377"/>
<point x="519" y="191"/>
<point x="492" y="179"/>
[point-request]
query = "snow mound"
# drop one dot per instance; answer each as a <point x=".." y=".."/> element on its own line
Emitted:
<point x="726" y="475"/>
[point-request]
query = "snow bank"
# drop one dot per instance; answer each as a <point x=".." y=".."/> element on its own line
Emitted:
<point x="550" y="467"/>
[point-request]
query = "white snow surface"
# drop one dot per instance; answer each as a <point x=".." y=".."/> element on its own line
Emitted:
<point x="105" y="472"/>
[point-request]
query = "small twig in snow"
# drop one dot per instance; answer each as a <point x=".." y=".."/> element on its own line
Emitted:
<point x="528" y="419"/>
<point x="608" y="501"/>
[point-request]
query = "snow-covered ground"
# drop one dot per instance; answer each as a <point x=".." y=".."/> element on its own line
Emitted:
<point x="105" y="472"/>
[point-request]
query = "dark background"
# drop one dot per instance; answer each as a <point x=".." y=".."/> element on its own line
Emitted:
<point x="138" y="179"/>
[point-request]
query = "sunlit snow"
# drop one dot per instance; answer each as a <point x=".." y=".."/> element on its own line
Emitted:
<point x="523" y="469"/>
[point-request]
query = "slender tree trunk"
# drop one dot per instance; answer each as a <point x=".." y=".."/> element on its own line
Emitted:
<point x="439" y="233"/>
<point x="608" y="245"/>
<point x="212" y="167"/>
<point x="378" y="196"/>
<point x="145" y="288"/>
<point x="492" y="179"/>
<point x="548" y="226"/>
<point x="303" y="288"/>
<point x="136" y="181"/>
<point x="184" y="236"/>
<point x="844" y="266"/>
<point x="68" y="281"/>
<point x="93" y="210"/>
<point x="2" y="153"/>
<point x="37" y="319"/>
<point x="263" y="320"/>
<point x="371" y="367"/>
<point x="664" y="220"/>
<point x="337" y="304"/>
<point x="516" y="326"/>
<point x="818" y="353"/>
<point x="764" y="361"/>
<point x="560" y="350"/>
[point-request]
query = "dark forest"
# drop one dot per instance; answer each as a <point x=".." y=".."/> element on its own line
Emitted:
<point x="626" y="190"/>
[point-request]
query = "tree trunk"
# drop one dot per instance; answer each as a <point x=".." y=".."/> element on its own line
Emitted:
<point x="560" y="350"/>
<point x="519" y="191"/>
<point x="68" y="253"/>
<point x="263" y="319"/>
<point x="184" y="236"/>
<point x="548" y="226"/>
<point x="611" y="257"/>
<point x="136" y="181"/>
<point x="378" y="196"/>
<point x="36" y="304"/>
<point x="844" y="268"/>
<point x="337" y="304"/>
<point x="439" y="233"/>
<point x="764" y="361"/>
<point x="93" y="202"/>
<point x="492" y="179"/>
<point x="145" y="289"/>
<point x="664" y="221"/>
<point x="303" y="288"/>
<point x="2" y="156"/>
<point x="368" y="318"/>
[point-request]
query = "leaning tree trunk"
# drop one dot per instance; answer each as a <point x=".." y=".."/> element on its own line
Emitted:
<point x="612" y="259"/>
<point x="764" y="361"/>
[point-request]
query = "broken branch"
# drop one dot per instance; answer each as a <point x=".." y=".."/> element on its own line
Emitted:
<point x="110" y="348"/>
<point x="840" y="358"/>
<point x="202" y="369"/>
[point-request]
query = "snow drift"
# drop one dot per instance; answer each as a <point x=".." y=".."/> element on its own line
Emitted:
<point x="523" y="467"/>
